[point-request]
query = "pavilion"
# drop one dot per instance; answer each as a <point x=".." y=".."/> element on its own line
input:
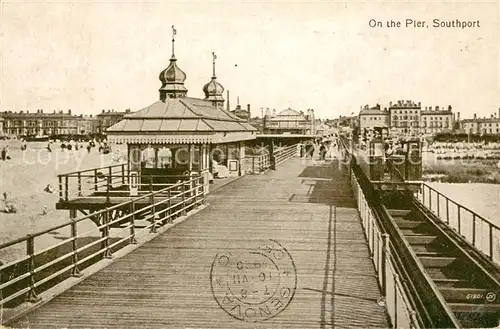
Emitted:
<point x="181" y="135"/>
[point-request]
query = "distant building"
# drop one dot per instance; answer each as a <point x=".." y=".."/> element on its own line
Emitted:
<point x="408" y="118"/>
<point x="404" y="117"/>
<point x="39" y="123"/>
<point x="374" y="117"/>
<point x="244" y="114"/>
<point x="108" y="118"/>
<point x="290" y="122"/>
<point x="436" y="120"/>
<point x="481" y="126"/>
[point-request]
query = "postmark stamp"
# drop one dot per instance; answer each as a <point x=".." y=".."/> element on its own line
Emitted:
<point x="255" y="284"/>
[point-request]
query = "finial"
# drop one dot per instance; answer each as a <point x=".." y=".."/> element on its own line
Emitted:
<point x="213" y="63"/>
<point x="174" y="33"/>
<point x="238" y="101"/>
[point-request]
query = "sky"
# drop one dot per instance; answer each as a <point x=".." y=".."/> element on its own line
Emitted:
<point x="93" y="55"/>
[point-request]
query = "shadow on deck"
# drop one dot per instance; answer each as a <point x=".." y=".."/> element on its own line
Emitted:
<point x="298" y="224"/>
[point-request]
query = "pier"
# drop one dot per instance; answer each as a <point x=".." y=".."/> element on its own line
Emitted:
<point x="358" y="255"/>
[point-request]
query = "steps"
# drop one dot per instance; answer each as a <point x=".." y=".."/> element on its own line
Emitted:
<point x="468" y="291"/>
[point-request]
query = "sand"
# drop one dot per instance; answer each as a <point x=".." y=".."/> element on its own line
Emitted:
<point x="24" y="178"/>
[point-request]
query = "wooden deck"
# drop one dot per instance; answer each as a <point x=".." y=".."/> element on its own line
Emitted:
<point x="177" y="281"/>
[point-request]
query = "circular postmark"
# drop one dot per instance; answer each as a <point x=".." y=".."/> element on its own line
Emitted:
<point x="256" y="284"/>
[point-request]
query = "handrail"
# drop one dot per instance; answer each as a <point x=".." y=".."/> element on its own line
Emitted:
<point x="472" y="230"/>
<point x="162" y="207"/>
<point x="92" y="169"/>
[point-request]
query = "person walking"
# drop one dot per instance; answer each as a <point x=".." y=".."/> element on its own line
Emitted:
<point x="322" y="151"/>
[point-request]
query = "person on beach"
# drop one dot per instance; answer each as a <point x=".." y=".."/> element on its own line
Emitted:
<point x="4" y="153"/>
<point x="9" y="206"/>
<point x="49" y="144"/>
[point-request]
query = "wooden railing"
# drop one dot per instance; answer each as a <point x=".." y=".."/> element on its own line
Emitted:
<point x="259" y="163"/>
<point x="285" y="153"/>
<point x="26" y="276"/>
<point x="480" y="232"/>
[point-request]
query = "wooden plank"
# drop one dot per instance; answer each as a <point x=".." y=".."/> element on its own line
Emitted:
<point x="167" y="283"/>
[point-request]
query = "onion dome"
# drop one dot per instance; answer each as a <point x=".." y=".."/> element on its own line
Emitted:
<point x="172" y="78"/>
<point x="213" y="90"/>
<point x="172" y="74"/>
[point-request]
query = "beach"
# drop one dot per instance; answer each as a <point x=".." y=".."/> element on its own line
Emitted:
<point x="24" y="178"/>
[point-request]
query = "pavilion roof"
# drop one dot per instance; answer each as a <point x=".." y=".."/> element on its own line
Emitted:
<point x="180" y="117"/>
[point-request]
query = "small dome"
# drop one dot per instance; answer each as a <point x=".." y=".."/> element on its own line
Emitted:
<point x="213" y="88"/>
<point x="172" y="74"/>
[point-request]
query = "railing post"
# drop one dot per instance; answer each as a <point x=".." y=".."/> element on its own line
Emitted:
<point x="413" y="319"/>
<point x="74" y="245"/>
<point x="385" y="259"/>
<point x="459" y="220"/>
<point x="32" y="296"/>
<point x="66" y="187"/>
<point x="396" y="280"/>
<point x="123" y="174"/>
<point x="79" y="183"/>
<point x="491" y="240"/>
<point x="153" y="213"/>
<point x="474" y="229"/>
<point x="430" y="200"/>
<point x="60" y="188"/>
<point x="447" y="211"/>
<point x="108" y="188"/>
<point x="438" y="194"/>
<point x="95" y="180"/>
<point x="183" y="211"/>
<point x="132" y="223"/>
<point x="105" y="234"/>
<point x="203" y="200"/>
<point x="195" y="182"/>
<point x="423" y="194"/>
<point x="169" y="205"/>
<point x="110" y="174"/>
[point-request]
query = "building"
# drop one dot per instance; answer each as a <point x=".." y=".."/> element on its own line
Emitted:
<point x="404" y="117"/>
<point x="108" y="118"/>
<point x="436" y="120"/>
<point x="244" y="114"/>
<point x="40" y="123"/>
<point x="290" y="121"/>
<point x="375" y="117"/>
<point x="408" y="118"/>
<point x="481" y="126"/>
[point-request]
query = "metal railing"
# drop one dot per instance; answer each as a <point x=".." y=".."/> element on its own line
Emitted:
<point x="481" y="233"/>
<point x="90" y="181"/>
<point x="30" y="274"/>
<point x="399" y="308"/>
<point x="411" y="298"/>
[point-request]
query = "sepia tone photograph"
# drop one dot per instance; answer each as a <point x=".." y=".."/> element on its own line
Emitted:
<point x="249" y="164"/>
